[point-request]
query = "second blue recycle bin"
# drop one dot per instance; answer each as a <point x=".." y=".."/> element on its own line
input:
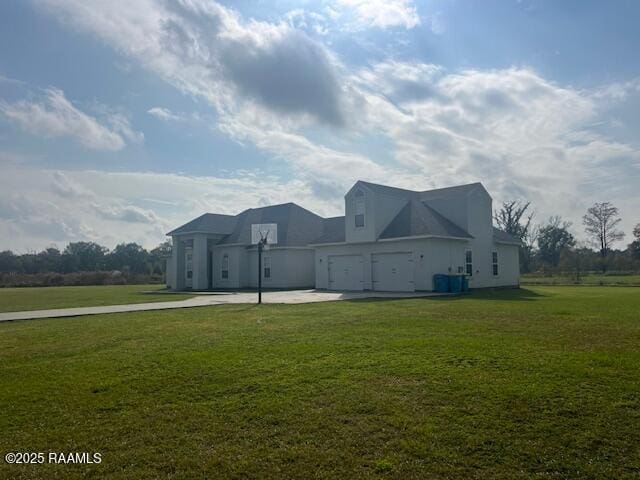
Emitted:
<point x="455" y="283"/>
<point x="440" y="283"/>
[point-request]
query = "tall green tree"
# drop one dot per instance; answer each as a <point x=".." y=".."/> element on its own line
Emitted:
<point x="554" y="238"/>
<point x="130" y="257"/>
<point x="83" y="257"/>
<point x="634" y="247"/>
<point x="9" y="262"/>
<point x="159" y="255"/>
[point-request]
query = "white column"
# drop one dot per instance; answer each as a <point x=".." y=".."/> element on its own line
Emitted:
<point x="200" y="262"/>
<point x="177" y="260"/>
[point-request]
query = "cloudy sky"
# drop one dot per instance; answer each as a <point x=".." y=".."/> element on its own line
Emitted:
<point x="120" y="120"/>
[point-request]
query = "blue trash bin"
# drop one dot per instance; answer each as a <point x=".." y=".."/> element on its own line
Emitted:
<point x="440" y="283"/>
<point x="455" y="283"/>
<point x="465" y="283"/>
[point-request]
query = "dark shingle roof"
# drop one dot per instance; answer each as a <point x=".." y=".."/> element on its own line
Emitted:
<point x="385" y="189"/>
<point x="501" y="236"/>
<point x="332" y="231"/>
<point x="300" y="227"/>
<point x="455" y="191"/>
<point x="417" y="218"/>
<point x="208" y="223"/>
<point x="448" y="192"/>
<point x="296" y="225"/>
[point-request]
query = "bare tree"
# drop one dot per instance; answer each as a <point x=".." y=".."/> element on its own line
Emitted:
<point x="513" y="219"/>
<point x="600" y="223"/>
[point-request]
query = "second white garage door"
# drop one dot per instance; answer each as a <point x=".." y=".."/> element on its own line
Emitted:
<point x="346" y="272"/>
<point x="392" y="272"/>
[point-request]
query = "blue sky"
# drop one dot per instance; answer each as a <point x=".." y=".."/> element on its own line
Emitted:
<point x="121" y="120"/>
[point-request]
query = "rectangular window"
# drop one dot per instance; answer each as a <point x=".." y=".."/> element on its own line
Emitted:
<point x="495" y="263"/>
<point x="225" y="267"/>
<point x="359" y="213"/>
<point x="468" y="260"/>
<point x="267" y="267"/>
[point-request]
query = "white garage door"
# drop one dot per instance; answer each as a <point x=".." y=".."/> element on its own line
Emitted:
<point x="392" y="272"/>
<point x="346" y="272"/>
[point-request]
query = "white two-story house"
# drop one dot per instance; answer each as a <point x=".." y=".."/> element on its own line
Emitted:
<point x="389" y="239"/>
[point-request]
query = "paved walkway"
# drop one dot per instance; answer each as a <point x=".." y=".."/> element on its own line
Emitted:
<point x="291" y="296"/>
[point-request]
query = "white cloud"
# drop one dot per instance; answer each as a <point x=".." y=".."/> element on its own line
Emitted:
<point x="55" y="116"/>
<point x="41" y="207"/>
<point x="381" y="13"/>
<point x="207" y="50"/>
<point x="517" y="132"/>
<point x="126" y="213"/>
<point x="165" y="114"/>
<point x="521" y="135"/>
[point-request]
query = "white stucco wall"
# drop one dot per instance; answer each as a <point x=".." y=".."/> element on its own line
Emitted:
<point x="480" y="225"/>
<point x="290" y="268"/>
<point x="508" y="266"/>
<point x="236" y="266"/>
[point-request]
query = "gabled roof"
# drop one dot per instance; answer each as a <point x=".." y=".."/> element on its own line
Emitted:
<point x="386" y="190"/>
<point x="500" y="236"/>
<point x="300" y="227"/>
<point x="297" y="226"/>
<point x="215" y="223"/>
<point x="449" y="192"/>
<point x="445" y="192"/>
<point x="417" y="218"/>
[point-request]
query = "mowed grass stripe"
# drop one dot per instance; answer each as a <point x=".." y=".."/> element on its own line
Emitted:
<point x="45" y="298"/>
<point x="530" y="383"/>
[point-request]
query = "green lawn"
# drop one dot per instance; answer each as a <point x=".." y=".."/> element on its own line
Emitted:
<point x="40" y="298"/>
<point x="591" y="279"/>
<point x="533" y="383"/>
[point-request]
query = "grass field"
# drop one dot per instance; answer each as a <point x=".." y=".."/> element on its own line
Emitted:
<point x="591" y="279"/>
<point x="533" y="383"/>
<point x="40" y="298"/>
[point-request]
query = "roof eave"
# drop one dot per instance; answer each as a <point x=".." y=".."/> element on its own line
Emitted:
<point x="507" y="242"/>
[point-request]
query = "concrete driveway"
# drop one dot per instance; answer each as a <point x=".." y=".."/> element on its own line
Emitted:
<point x="213" y="298"/>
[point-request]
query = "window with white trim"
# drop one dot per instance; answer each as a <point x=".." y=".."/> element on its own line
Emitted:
<point x="224" y="271"/>
<point x="189" y="263"/>
<point x="468" y="262"/>
<point x="359" y="217"/>
<point x="494" y="262"/>
<point x="266" y="265"/>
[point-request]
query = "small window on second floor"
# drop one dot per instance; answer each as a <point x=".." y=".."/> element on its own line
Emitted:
<point x="224" y="271"/>
<point x="359" y="212"/>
